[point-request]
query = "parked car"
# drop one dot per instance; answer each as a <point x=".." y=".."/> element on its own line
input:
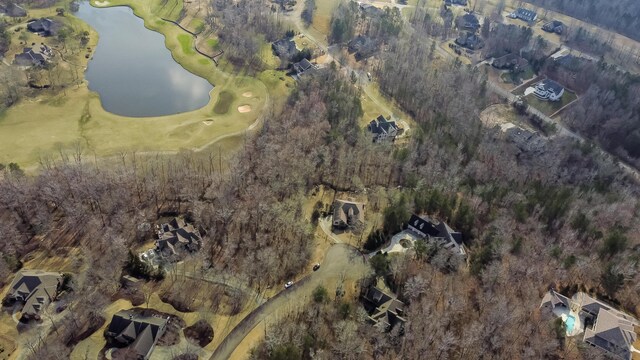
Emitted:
<point x="288" y="284"/>
<point x="316" y="267"/>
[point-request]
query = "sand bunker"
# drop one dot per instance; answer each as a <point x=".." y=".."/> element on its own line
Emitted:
<point x="208" y="122"/>
<point x="102" y="3"/>
<point x="248" y="94"/>
<point x="244" y="108"/>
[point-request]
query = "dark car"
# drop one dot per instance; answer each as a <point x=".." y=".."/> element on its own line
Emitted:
<point x="316" y="267"/>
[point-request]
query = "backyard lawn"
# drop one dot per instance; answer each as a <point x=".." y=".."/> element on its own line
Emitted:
<point x="550" y="107"/>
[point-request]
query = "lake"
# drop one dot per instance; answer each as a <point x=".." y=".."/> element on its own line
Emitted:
<point x="133" y="71"/>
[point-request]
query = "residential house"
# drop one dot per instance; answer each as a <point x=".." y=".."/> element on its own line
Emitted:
<point x="469" y="22"/>
<point x="347" y="214"/>
<point x="304" y="67"/>
<point x="385" y="311"/>
<point x="363" y="47"/>
<point x="131" y="329"/>
<point x="470" y="41"/>
<point x="526" y="140"/>
<point x="28" y="57"/>
<point x="43" y="26"/>
<point x="554" y="26"/>
<point x="13" y="10"/>
<point x="571" y="62"/>
<point x="425" y="229"/>
<point x="177" y="237"/>
<point x="456" y="2"/>
<point x="548" y="90"/>
<point x="604" y="327"/>
<point x="284" y="48"/>
<point x="510" y="62"/>
<point x="370" y="10"/>
<point x="383" y="130"/>
<point x="524" y="15"/>
<point x="35" y="289"/>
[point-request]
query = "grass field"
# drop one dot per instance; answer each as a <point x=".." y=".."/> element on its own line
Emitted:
<point x="49" y="124"/>
<point x="550" y="107"/>
<point x="223" y="104"/>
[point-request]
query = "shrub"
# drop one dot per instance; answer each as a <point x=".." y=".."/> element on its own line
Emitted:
<point x="320" y="294"/>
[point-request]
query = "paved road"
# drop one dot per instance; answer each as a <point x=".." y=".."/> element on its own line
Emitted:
<point x="341" y="261"/>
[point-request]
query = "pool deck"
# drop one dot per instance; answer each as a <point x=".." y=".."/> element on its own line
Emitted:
<point x="578" y="326"/>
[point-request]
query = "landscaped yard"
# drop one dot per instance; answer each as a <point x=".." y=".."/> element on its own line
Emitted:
<point x="517" y="78"/>
<point x="550" y="107"/>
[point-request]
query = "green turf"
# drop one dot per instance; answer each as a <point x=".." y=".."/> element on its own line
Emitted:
<point x="186" y="44"/>
<point x="550" y="107"/>
<point x="225" y="98"/>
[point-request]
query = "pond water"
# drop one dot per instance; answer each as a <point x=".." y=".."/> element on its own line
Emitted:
<point x="133" y="71"/>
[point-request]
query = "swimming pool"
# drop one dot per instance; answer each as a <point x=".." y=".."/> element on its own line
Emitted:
<point x="569" y="323"/>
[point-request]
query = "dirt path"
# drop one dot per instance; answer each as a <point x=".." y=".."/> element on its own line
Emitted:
<point x="341" y="262"/>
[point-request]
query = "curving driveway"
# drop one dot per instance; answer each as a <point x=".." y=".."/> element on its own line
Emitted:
<point x="341" y="262"/>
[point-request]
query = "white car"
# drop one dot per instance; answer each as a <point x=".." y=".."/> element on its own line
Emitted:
<point x="288" y="284"/>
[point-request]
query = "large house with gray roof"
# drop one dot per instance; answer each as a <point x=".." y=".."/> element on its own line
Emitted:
<point x="35" y="289"/>
<point x="131" y="329"/>
<point x="603" y="326"/>
<point x="426" y="229"/>
<point x="177" y="237"/>
<point x="385" y="311"/>
<point x="524" y="15"/>
<point x="383" y="130"/>
<point x="347" y="214"/>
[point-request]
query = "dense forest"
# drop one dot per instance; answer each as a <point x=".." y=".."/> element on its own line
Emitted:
<point x="565" y="216"/>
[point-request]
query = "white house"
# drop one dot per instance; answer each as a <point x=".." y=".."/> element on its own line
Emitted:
<point x="548" y="90"/>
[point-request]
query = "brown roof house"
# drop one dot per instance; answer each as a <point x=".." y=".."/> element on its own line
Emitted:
<point x="35" y="289"/>
<point x="603" y="326"/>
<point x="176" y="238"/>
<point x="135" y="331"/>
<point x="385" y="310"/>
<point x="347" y="214"/>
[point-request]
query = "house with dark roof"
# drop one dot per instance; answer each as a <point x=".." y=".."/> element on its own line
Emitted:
<point x="177" y="238"/>
<point x="383" y="130"/>
<point x="422" y="226"/>
<point x="524" y="15"/>
<point x="363" y="47"/>
<point x="385" y="310"/>
<point x="469" y="40"/>
<point x="554" y="26"/>
<point x="370" y="10"/>
<point x="43" y="26"/>
<point x="525" y="140"/>
<point x="347" y="214"/>
<point x="35" y="289"/>
<point x="28" y="57"/>
<point x="13" y="10"/>
<point x="548" y="90"/>
<point x="304" y="67"/>
<point x="469" y="22"/>
<point x="456" y="2"/>
<point x="426" y="229"/>
<point x="604" y="327"/>
<point x="284" y="48"/>
<point x="133" y="330"/>
<point x="510" y="62"/>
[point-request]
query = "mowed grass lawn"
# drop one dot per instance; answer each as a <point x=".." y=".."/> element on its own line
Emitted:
<point x="42" y="127"/>
<point x="550" y="107"/>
